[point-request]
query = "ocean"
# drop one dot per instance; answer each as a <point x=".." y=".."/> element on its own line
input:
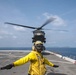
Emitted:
<point x="68" y="52"/>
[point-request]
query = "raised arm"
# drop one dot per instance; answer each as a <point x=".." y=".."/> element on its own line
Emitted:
<point x="19" y="62"/>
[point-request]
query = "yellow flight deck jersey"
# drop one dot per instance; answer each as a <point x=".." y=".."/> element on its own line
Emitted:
<point x="37" y="61"/>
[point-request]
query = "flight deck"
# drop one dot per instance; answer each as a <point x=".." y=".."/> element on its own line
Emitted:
<point x="7" y="57"/>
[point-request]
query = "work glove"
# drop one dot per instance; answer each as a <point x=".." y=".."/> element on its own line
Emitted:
<point x="56" y="66"/>
<point x="7" y="67"/>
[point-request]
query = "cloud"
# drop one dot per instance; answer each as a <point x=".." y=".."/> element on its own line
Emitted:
<point x="4" y="32"/>
<point x="1" y="37"/>
<point x="58" y="21"/>
<point x="10" y="14"/>
<point x="14" y="37"/>
<point x="19" y="28"/>
<point x="47" y="15"/>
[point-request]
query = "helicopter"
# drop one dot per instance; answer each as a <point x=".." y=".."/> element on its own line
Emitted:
<point x="38" y="33"/>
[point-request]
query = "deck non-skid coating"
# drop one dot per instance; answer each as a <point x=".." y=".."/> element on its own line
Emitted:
<point x="7" y="57"/>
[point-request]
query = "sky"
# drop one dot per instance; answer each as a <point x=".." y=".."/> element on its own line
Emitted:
<point x="35" y="13"/>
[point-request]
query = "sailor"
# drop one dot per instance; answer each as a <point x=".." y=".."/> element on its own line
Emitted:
<point x="37" y="61"/>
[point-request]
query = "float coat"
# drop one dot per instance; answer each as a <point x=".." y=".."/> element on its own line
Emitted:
<point x="37" y="66"/>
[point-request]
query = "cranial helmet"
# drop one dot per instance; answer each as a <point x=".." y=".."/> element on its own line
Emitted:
<point x="38" y="42"/>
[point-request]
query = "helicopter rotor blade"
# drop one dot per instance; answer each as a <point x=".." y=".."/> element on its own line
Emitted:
<point x="56" y="30"/>
<point x="47" y="22"/>
<point x="20" y="25"/>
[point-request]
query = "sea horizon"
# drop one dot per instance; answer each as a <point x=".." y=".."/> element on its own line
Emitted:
<point x="5" y="48"/>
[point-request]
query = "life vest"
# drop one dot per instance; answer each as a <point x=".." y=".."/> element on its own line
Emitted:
<point x="37" y="67"/>
<point x="37" y="61"/>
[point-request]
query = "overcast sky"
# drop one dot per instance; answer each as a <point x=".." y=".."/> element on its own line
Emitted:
<point x="35" y="13"/>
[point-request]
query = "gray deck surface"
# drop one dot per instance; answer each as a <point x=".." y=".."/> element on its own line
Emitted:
<point x="65" y="67"/>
